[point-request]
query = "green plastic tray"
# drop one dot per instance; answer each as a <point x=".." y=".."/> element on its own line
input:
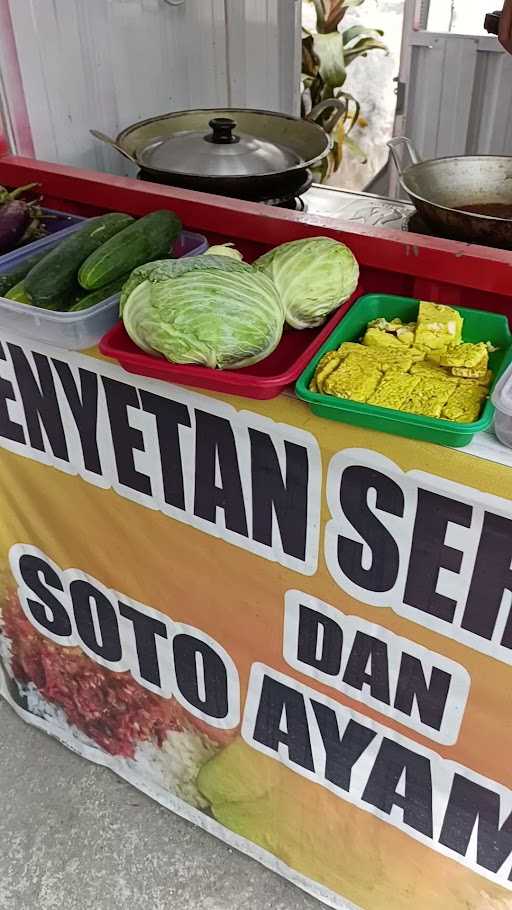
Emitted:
<point x="478" y="326"/>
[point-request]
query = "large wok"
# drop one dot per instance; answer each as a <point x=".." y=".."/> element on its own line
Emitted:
<point x="232" y="152"/>
<point x="442" y="189"/>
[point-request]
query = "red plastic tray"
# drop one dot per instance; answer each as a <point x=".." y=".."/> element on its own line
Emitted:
<point x="263" y="380"/>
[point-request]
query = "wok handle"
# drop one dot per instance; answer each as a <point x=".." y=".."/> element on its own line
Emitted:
<point x="396" y="146"/>
<point x="339" y="110"/>
<point x="108" y="141"/>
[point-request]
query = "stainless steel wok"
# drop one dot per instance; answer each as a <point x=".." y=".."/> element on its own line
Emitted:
<point x="443" y="188"/>
<point x="233" y="152"/>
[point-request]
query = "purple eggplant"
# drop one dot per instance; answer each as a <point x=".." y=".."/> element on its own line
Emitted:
<point x="15" y="218"/>
<point x="8" y="195"/>
<point x="20" y="219"/>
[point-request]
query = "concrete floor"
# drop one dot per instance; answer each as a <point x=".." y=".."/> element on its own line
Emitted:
<point x="75" y="837"/>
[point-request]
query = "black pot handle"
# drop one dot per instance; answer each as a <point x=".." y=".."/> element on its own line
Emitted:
<point x="222" y="131"/>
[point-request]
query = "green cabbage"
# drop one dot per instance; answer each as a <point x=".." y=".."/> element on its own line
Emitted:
<point x="313" y="277"/>
<point x="210" y="310"/>
<point x="172" y="268"/>
<point x="226" y="249"/>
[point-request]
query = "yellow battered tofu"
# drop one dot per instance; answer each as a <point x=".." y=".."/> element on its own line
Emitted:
<point x="379" y="338"/>
<point x="486" y="380"/>
<point x="328" y="363"/>
<point x="465" y="405"/>
<point x="354" y="347"/>
<point x="355" y="379"/>
<point x="394" y="358"/>
<point x="438" y="328"/>
<point x="394" y="390"/>
<point x="472" y="356"/>
<point x="429" y="396"/>
<point x="416" y="354"/>
<point x="429" y="369"/>
<point x="468" y="373"/>
<point x="404" y="332"/>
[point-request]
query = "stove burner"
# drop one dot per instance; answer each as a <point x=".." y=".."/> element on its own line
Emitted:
<point x="293" y="203"/>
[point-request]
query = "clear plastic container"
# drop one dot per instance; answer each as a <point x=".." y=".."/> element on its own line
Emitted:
<point x="55" y="222"/>
<point x="74" y="331"/>
<point x="502" y="401"/>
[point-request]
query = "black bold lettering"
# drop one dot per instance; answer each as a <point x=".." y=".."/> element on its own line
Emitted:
<point x="125" y="438"/>
<point x="430" y="697"/>
<point x="429" y="553"/>
<point x="471" y="804"/>
<point x="287" y="498"/>
<point x="170" y="416"/>
<point x="145" y="630"/>
<point x="107" y="643"/>
<point x="492" y="576"/>
<point x="39" y="402"/>
<point x="396" y="764"/>
<point x="368" y="650"/>
<point x="319" y="641"/>
<point x="83" y="405"/>
<point x="201" y="676"/>
<point x="48" y="610"/>
<point x="215" y="443"/>
<point x="8" y="428"/>
<point x="280" y="704"/>
<point x="340" y="754"/>
<point x="356" y="483"/>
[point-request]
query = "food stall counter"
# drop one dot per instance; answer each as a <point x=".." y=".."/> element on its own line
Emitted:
<point x="293" y="632"/>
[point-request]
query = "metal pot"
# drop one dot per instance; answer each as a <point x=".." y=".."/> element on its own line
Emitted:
<point x="231" y="152"/>
<point x="442" y="189"/>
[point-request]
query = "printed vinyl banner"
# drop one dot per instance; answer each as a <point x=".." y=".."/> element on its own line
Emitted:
<point x="295" y="633"/>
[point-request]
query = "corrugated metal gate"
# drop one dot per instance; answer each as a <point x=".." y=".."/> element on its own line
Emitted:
<point x="459" y="98"/>
<point x="455" y="91"/>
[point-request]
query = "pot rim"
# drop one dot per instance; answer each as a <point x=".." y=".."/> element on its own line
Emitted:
<point x="302" y="165"/>
<point x="446" y="208"/>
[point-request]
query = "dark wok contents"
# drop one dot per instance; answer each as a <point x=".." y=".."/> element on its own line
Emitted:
<point x="491" y="209"/>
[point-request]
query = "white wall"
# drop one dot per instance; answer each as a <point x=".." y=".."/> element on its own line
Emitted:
<point x="108" y="63"/>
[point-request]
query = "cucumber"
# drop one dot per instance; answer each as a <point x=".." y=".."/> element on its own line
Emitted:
<point x="19" y="295"/>
<point x="88" y="300"/>
<point x="9" y="279"/>
<point x="61" y="302"/>
<point x="148" y="239"/>
<point x="56" y="274"/>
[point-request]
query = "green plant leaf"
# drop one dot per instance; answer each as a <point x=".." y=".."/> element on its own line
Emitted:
<point x="361" y="48"/>
<point x="352" y="112"/>
<point x="329" y="48"/>
<point x="356" y="150"/>
<point x="351" y="35"/>
<point x="310" y="59"/>
<point x="329" y="13"/>
<point x="325" y="59"/>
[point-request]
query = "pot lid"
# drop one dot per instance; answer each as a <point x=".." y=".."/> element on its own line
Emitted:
<point x="223" y="152"/>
